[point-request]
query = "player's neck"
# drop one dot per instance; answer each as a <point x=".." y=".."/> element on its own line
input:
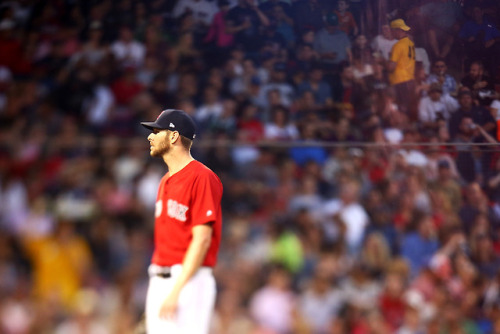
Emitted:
<point x="177" y="160"/>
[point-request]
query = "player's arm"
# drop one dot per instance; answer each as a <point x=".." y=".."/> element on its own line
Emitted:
<point x="195" y="254"/>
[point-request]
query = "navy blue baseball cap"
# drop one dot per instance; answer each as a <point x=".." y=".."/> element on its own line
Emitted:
<point x="174" y="120"/>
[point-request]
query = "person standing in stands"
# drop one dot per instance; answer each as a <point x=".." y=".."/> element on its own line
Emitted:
<point x="401" y="67"/>
<point x="243" y="21"/>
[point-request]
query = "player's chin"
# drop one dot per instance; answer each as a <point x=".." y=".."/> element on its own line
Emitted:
<point x="155" y="153"/>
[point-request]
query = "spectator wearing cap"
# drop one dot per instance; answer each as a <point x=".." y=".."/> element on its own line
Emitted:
<point x="436" y="106"/>
<point x="332" y="44"/>
<point x="401" y="66"/>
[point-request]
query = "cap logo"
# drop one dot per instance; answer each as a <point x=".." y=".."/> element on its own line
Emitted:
<point x="171" y="125"/>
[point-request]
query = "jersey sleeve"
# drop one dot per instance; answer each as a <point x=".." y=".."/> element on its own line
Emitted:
<point x="207" y="194"/>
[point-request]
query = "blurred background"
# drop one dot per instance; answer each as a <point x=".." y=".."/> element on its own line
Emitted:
<point x="346" y="208"/>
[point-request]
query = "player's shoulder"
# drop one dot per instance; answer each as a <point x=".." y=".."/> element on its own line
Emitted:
<point x="201" y="169"/>
<point x="204" y="175"/>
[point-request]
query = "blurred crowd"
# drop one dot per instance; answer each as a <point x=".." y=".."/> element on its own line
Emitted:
<point x="346" y="208"/>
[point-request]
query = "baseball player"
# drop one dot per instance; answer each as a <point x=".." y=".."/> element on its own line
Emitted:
<point x="188" y="223"/>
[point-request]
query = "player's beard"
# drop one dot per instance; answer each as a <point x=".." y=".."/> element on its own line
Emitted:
<point x="162" y="149"/>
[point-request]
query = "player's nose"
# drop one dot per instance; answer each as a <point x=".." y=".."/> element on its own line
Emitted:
<point x="150" y="137"/>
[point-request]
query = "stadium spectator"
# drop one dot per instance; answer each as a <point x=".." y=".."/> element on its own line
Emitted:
<point x="419" y="245"/>
<point x="436" y="107"/>
<point x="331" y="44"/>
<point x="347" y="23"/>
<point x="401" y="66"/>
<point x="439" y="74"/>
<point x="480" y="37"/>
<point x="383" y="42"/>
<point x="127" y="50"/>
<point x="243" y="21"/>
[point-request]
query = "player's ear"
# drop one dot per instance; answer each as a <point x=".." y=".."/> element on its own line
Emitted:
<point x="174" y="135"/>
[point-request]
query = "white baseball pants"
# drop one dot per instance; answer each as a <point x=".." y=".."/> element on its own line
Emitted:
<point x="196" y="303"/>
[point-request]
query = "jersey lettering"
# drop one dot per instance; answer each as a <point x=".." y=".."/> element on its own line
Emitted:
<point x="158" y="208"/>
<point x="411" y="52"/>
<point x="176" y="210"/>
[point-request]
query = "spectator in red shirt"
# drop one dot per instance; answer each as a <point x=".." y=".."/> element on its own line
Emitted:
<point x="126" y="87"/>
<point x="392" y="303"/>
<point x="347" y="23"/>
<point x="10" y="47"/>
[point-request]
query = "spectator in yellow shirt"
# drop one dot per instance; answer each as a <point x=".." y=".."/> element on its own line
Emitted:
<point x="60" y="262"/>
<point x="401" y="67"/>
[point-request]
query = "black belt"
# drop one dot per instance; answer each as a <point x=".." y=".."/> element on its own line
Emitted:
<point x="163" y="275"/>
<point x="163" y="272"/>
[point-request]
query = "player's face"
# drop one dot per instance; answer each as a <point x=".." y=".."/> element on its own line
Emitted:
<point x="159" y="142"/>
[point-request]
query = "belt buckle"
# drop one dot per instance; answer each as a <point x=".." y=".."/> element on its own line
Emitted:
<point x="164" y="275"/>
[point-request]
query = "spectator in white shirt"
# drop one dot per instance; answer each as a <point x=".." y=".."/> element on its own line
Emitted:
<point x="211" y="107"/>
<point x="280" y="128"/>
<point x="436" y="106"/>
<point x="273" y="306"/>
<point x="203" y="11"/>
<point x="348" y="215"/>
<point x="382" y="43"/>
<point x="127" y="50"/>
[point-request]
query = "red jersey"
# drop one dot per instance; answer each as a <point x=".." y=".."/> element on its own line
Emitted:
<point x="188" y="198"/>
